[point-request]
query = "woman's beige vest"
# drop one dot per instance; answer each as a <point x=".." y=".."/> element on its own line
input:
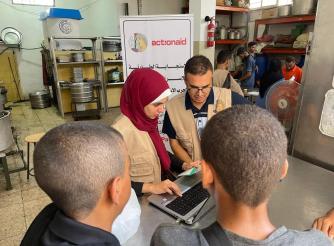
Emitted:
<point x="144" y="161"/>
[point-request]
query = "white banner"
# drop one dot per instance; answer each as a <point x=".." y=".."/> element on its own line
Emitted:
<point x="163" y="43"/>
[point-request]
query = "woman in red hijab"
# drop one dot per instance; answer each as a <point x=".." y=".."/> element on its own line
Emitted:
<point x="143" y="99"/>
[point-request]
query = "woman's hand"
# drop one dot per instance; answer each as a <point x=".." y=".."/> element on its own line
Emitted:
<point x="165" y="186"/>
<point x="326" y="224"/>
<point x="186" y="166"/>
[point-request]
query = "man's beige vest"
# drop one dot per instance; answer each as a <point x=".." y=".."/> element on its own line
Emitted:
<point x="144" y="161"/>
<point x="183" y="120"/>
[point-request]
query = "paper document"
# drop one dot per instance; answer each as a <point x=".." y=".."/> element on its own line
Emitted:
<point x="190" y="172"/>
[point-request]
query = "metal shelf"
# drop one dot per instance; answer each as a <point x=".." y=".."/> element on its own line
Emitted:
<point x="112" y="61"/>
<point x="230" y="41"/>
<point x="283" y="20"/>
<point x="77" y="63"/>
<point x="91" y="38"/>
<point x="117" y="83"/>
<point x="273" y="50"/>
<point x="286" y="20"/>
<point x="227" y="9"/>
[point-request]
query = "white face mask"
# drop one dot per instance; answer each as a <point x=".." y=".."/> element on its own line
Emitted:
<point x="126" y="224"/>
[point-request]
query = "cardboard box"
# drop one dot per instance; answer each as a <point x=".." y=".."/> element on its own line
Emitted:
<point x="220" y="2"/>
<point x="270" y="13"/>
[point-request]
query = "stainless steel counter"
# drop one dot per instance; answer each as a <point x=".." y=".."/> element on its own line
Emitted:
<point x="305" y="194"/>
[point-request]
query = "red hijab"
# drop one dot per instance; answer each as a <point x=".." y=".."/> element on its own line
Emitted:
<point x="141" y="88"/>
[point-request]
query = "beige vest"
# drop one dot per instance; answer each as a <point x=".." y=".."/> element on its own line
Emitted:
<point x="144" y="161"/>
<point x="183" y="120"/>
<point x="219" y="77"/>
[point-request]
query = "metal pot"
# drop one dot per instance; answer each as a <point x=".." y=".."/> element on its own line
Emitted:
<point x="303" y="7"/>
<point x="6" y="136"/>
<point x="112" y="46"/>
<point x="78" y="57"/>
<point x="231" y="34"/>
<point x="40" y="99"/>
<point x="237" y="34"/>
<point x="3" y="97"/>
<point x="223" y="32"/>
<point x="284" y="10"/>
<point x="81" y="92"/>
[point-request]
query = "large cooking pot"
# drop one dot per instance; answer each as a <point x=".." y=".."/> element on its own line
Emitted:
<point x="78" y="57"/>
<point x="6" y="136"/>
<point x="237" y="34"/>
<point x="40" y="99"/>
<point x="3" y="97"/>
<point x="303" y="7"/>
<point x="82" y="92"/>
<point x="284" y="10"/>
<point x="112" y="46"/>
<point x="231" y="34"/>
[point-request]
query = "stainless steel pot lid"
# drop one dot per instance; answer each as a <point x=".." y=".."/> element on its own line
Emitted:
<point x="39" y="93"/>
<point x="11" y="36"/>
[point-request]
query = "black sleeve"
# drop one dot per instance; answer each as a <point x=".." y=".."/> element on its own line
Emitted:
<point x="176" y="163"/>
<point x="237" y="99"/>
<point x="138" y="187"/>
<point x="168" y="128"/>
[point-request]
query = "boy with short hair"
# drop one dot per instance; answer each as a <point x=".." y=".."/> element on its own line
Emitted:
<point x="84" y="169"/>
<point x="245" y="156"/>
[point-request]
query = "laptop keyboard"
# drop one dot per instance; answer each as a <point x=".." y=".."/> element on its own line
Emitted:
<point x="189" y="200"/>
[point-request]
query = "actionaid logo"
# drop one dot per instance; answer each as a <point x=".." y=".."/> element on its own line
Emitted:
<point x="138" y="42"/>
<point x="169" y="42"/>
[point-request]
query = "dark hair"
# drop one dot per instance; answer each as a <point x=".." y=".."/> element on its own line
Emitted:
<point x="290" y="59"/>
<point x="198" y="65"/>
<point x="246" y="146"/>
<point x="74" y="162"/>
<point x="223" y="56"/>
<point x="250" y="44"/>
<point x="275" y="65"/>
<point x="271" y="76"/>
<point x="241" y="50"/>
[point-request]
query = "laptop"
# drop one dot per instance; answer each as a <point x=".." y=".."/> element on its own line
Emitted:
<point x="194" y="203"/>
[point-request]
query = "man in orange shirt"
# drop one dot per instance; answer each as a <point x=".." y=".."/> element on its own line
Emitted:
<point x="291" y="71"/>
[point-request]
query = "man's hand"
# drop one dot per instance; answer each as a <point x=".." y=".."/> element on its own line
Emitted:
<point x="165" y="186"/>
<point x="186" y="166"/>
<point x="326" y="224"/>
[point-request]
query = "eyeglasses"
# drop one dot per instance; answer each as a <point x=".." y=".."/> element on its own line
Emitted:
<point x="194" y="89"/>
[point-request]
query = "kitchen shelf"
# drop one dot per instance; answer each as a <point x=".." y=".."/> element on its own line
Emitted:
<point x="112" y="61"/>
<point x="287" y="19"/>
<point x="230" y="41"/>
<point x="283" y="20"/>
<point x="273" y="50"/>
<point x="117" y="83"/>
<point x="62" y="71"/>
<point x="77" y="63"/>
<point x="67" y="85"/>
<point x="227" y="9"/>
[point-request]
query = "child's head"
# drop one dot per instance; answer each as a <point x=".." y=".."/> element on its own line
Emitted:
<point x="245" y="149"/>
<point x="80" y="164"/>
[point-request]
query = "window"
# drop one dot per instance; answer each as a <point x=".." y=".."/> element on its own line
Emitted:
<point x="256" y="4"/>
<point x="35" y="2"/>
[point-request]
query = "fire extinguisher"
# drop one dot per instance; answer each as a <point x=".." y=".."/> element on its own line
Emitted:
<point x="211" y="32"/>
